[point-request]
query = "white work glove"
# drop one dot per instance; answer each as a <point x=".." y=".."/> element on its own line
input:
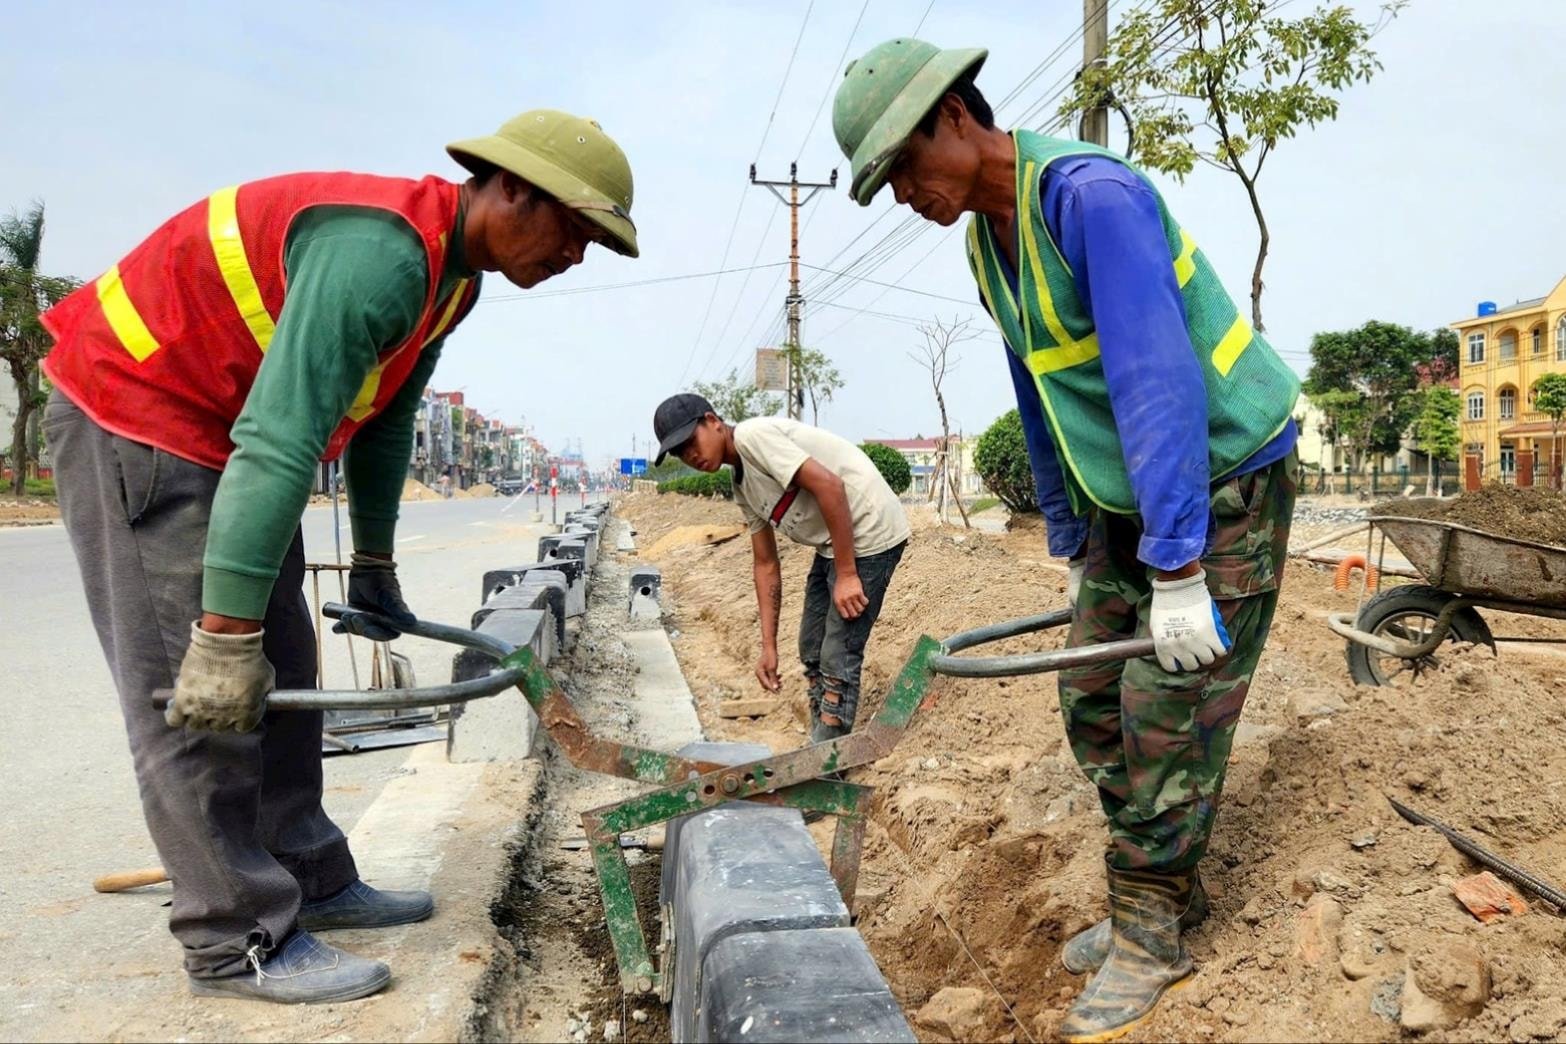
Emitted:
<point x="222" y="684"/>
<point x="1187" y="630"/>
<point x="1074" y="579"/>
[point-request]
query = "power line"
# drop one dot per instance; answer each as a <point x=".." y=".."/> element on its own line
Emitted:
<point x="832" y="79"/>
<point x="740" y="208"/>
<point x="790" y="68"/>
<point x="923" y="17"/>
<point x="535" y="295"/>
<point x="890" y="286"/>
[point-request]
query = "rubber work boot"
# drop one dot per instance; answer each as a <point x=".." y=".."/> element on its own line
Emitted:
<point x="1085" y="951"/>
<point x="360" y="906"/>
<point x="1146" y="957"/>
<point x="304" y="970"/>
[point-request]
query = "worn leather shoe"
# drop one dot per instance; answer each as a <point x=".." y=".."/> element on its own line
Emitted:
<point x="360" y="906"/>
<point x="303" y="970"/>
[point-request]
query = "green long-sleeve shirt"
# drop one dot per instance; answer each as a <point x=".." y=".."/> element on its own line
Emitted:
<point x="357" y="277"/>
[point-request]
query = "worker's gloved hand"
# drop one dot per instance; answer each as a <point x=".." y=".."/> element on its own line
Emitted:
<point x="222" y="684"/>
<point x="1074" y="579"/>
<point x="1187" y="631"/>
<point x="372" y="585"/>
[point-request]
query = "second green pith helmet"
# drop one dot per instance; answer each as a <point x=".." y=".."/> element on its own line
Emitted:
<point x="569" y="157"/>
<point x="883" y="97"/>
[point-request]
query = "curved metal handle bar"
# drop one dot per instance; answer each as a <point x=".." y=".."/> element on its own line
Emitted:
<point x="398" y="699"/>
<point x="426" y="629"/>
<point x="1028" y="663"/>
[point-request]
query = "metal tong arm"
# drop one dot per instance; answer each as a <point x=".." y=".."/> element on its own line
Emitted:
<point x="1028" y="663"/>
<point x="397" y="699"/>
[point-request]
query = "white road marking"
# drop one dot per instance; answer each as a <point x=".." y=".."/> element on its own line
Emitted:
<point x="409" y="539"/>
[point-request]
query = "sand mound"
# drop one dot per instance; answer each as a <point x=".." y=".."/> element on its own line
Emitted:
<point x="483" y="489"/>
<point x="413" y="489"/>
<point x="1326" y="907"/>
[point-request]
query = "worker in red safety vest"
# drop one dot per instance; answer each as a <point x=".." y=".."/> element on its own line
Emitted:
<point x="197" y="383"/>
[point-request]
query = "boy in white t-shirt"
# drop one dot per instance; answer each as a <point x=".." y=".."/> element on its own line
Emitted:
<point x="820" y="490"/>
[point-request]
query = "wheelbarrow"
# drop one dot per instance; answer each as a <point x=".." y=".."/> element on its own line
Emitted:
<point x="808" y="778"/>
<point x="1393" y="638"/>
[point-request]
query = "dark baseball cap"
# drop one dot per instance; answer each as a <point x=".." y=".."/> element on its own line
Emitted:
<point x="675" y="419"/>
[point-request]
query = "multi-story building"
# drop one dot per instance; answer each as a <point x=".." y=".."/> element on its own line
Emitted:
<point x="1502" y="352"/>
<point x="922" y="454"/>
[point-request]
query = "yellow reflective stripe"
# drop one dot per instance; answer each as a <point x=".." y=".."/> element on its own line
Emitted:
<point x="364" y="402"/>
<point x="451" y="310"/>
<point x="229" y="249"/>
<point x="1030" y="246"/>
<point x="1231" y="345"/>
<point x="980" y="270"/>
<point x="123" y="318"/>
<point x="1185" y="264"/>
<point x="1074" y="353"/>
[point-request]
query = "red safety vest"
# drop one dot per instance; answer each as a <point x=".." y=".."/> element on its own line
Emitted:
<point x="163" y="347"/>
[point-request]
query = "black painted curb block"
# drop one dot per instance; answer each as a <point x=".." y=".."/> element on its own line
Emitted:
<point x="738" y="879"/>
<point x="813" y="985"/>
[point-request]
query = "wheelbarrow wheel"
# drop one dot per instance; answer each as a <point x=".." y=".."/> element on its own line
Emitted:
<point x="1408" y="613"/>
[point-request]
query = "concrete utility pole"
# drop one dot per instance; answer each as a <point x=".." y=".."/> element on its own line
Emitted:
<point x="794" y="303"/>
<point x="1095" y="41"/>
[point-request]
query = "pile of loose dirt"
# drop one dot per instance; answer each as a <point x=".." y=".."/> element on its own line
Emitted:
<point x="1333" y="919"/>
<point x="413" y="489"/>
<point x="483" y="489"/>
<point x="28" y="511"/>
<point x="1518" y="512"/>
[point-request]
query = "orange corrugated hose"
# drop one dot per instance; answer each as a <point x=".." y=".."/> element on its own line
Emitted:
<point x="1340" y="580"/>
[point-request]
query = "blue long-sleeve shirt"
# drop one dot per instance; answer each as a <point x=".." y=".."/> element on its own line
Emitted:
<point x="1105" y="220"/>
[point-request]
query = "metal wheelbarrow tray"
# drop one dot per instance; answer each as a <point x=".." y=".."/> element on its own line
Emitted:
<point x="1477" y="564"/>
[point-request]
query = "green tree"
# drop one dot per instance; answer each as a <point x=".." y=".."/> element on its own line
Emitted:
<point x="1223" y="82"/>
<point x="819" y="379"/>
<point x="1001" y="459"/>
<point x="1437" y="428"/>
<point x="24" y="295"/>
<point x="1366" y="381"/>
<point x="735" y="400"/>
<point x="891" y="464"/>
<point x="1550" y="400"/>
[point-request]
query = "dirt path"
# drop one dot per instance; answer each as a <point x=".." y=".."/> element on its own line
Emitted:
<point x="1333" y="919"/>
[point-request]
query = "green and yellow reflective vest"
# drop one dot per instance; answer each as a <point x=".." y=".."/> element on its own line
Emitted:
<point x="1251" y="392"/>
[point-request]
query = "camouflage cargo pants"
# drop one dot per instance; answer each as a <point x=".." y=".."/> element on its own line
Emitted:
<point x="1156" y="743"/>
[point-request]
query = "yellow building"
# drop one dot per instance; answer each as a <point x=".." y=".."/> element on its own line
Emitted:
<point x="1501" y="353"/>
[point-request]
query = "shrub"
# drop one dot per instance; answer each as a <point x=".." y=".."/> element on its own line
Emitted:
<point x="891" y="464"/>
<point x="717" y="484"/>
<point x="1001" y="458"/>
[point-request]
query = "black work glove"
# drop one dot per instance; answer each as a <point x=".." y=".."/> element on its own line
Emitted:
<point x="372" y="585"/>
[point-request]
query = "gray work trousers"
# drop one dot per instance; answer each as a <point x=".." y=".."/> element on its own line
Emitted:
<point x="831" y="648"/>
<point x="236" y="818"/>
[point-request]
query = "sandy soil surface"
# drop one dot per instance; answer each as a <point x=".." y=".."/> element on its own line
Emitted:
<point x="1521" y="513"/>
<point x="28" y="511"/>
<point x="1333" y="919"/>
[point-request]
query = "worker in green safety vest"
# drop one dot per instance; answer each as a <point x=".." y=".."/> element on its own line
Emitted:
<point x="1159" y="429"/>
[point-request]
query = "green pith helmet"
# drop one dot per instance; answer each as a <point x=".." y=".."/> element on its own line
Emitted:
<point x="883" y="97"/>
<point x="569" y="157"/>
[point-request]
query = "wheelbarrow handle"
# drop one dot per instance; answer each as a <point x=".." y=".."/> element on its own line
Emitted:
<point x="397" y="699"/>
<point x="1029" y="663"/>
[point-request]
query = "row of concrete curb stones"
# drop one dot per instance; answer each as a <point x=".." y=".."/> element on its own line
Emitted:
<point x="531" y="605"/>
<point x="762" y="947"/>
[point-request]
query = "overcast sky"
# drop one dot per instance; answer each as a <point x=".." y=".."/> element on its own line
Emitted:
<point x="1439" y="186"/>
